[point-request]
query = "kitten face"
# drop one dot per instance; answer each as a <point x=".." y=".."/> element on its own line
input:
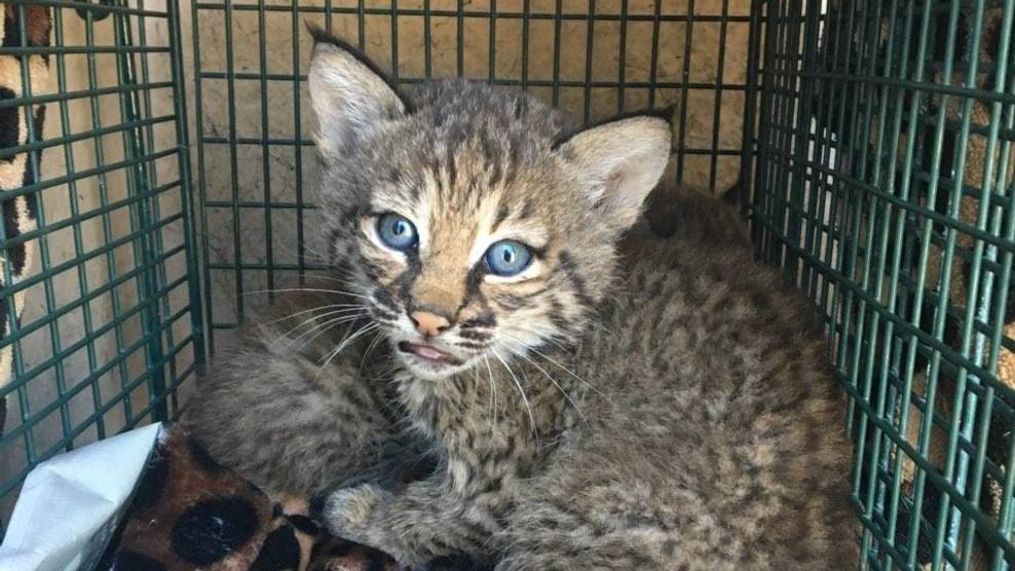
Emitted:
<point x="474" y="230"/>
<point x="448" y="290"/>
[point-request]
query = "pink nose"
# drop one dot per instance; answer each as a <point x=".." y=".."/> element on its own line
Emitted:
<point x="429" y="324"/>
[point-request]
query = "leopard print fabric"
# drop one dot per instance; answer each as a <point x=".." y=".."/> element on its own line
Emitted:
<point x="189" y="512"/>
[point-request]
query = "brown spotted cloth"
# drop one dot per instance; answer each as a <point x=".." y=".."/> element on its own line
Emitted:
<point x="19" y="209"/>
<point x="189" y="512"/>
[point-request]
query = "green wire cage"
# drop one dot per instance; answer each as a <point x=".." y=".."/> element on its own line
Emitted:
<point x="159" y="177"/>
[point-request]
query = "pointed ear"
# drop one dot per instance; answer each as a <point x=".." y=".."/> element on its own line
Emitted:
<point x="620" y="162"/>
<point x="350" y="95"/>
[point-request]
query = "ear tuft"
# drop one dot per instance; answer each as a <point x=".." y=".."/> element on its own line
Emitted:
<point x="620" y="162"/>
<point x="351" y="96"/>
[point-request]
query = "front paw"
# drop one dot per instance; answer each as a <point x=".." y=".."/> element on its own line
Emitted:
<point x="347" y="512"/>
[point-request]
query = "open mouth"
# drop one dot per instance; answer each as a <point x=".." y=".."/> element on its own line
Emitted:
<point x="428" y="353"/>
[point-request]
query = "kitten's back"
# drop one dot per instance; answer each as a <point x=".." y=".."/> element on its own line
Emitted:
<point x="718" y="441"/>
<point x="676" y="212"/>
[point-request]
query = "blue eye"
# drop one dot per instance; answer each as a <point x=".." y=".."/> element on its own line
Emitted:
<point x="397" y="232"/>
<point x="508" y="258"/>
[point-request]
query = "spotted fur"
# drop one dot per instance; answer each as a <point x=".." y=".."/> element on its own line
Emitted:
<point x="656" y="403"/>
<point x="290" y="414"/>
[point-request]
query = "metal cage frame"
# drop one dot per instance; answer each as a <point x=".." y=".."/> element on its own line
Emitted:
<point x="861" y="124"/>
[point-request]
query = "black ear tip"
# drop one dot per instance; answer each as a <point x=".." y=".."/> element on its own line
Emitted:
<point x="321" y="36"/>
<point x="666" y="113"/>
<point x="316" y="32"/>
<point x="734" y="194"/>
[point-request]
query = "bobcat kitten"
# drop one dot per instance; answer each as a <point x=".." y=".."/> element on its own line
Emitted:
<point x="589" y="401"/>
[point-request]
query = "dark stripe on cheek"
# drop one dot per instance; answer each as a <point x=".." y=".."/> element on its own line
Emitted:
<point x="405" y="280"/>
<point x="382" y="316"/>
<point x="557" y="315"/>
<point x="472" y="291"/>
<point x="566" y="263"/>
<point x="511" y="302"/>
<point x="373" y="270"/>
<point x="485" y="319"/>
<point x="475" y="335"/>
<point x="536" y="293"/>
<point x="384" y="297"/>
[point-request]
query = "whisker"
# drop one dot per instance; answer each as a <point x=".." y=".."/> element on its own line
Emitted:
<point x="555" y="340"/>
<point x="373" y="343"/>
<point x="552" y="380"/>
<point x="568" y="371"/>
<point x="325" y="327"/>
<point x="318" y="308"/>
<point x="341" y="346"/>
<point x="558" y="343"/>
<point x="312" y="290"/>
<point x="340" y="312"/>
<point x="525" y="399"/>
<point x="555" y="363"/>
<point x="321" y="329"/>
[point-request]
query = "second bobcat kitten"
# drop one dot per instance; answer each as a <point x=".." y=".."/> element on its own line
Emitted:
<point x="291" y="414"/>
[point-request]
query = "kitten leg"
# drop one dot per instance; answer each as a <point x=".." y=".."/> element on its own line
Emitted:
<point x="425" y="521"/>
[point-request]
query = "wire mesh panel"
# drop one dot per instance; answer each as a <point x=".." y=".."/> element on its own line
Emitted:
<point x="257" y="172"/>
<point x="106" y="336"/>
<point x="885" y="179"/>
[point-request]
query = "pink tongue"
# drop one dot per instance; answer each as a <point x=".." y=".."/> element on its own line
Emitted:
<point x="429" y="353"/>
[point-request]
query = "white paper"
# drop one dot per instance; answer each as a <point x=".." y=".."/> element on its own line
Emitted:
<point x="69" y="505"/>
